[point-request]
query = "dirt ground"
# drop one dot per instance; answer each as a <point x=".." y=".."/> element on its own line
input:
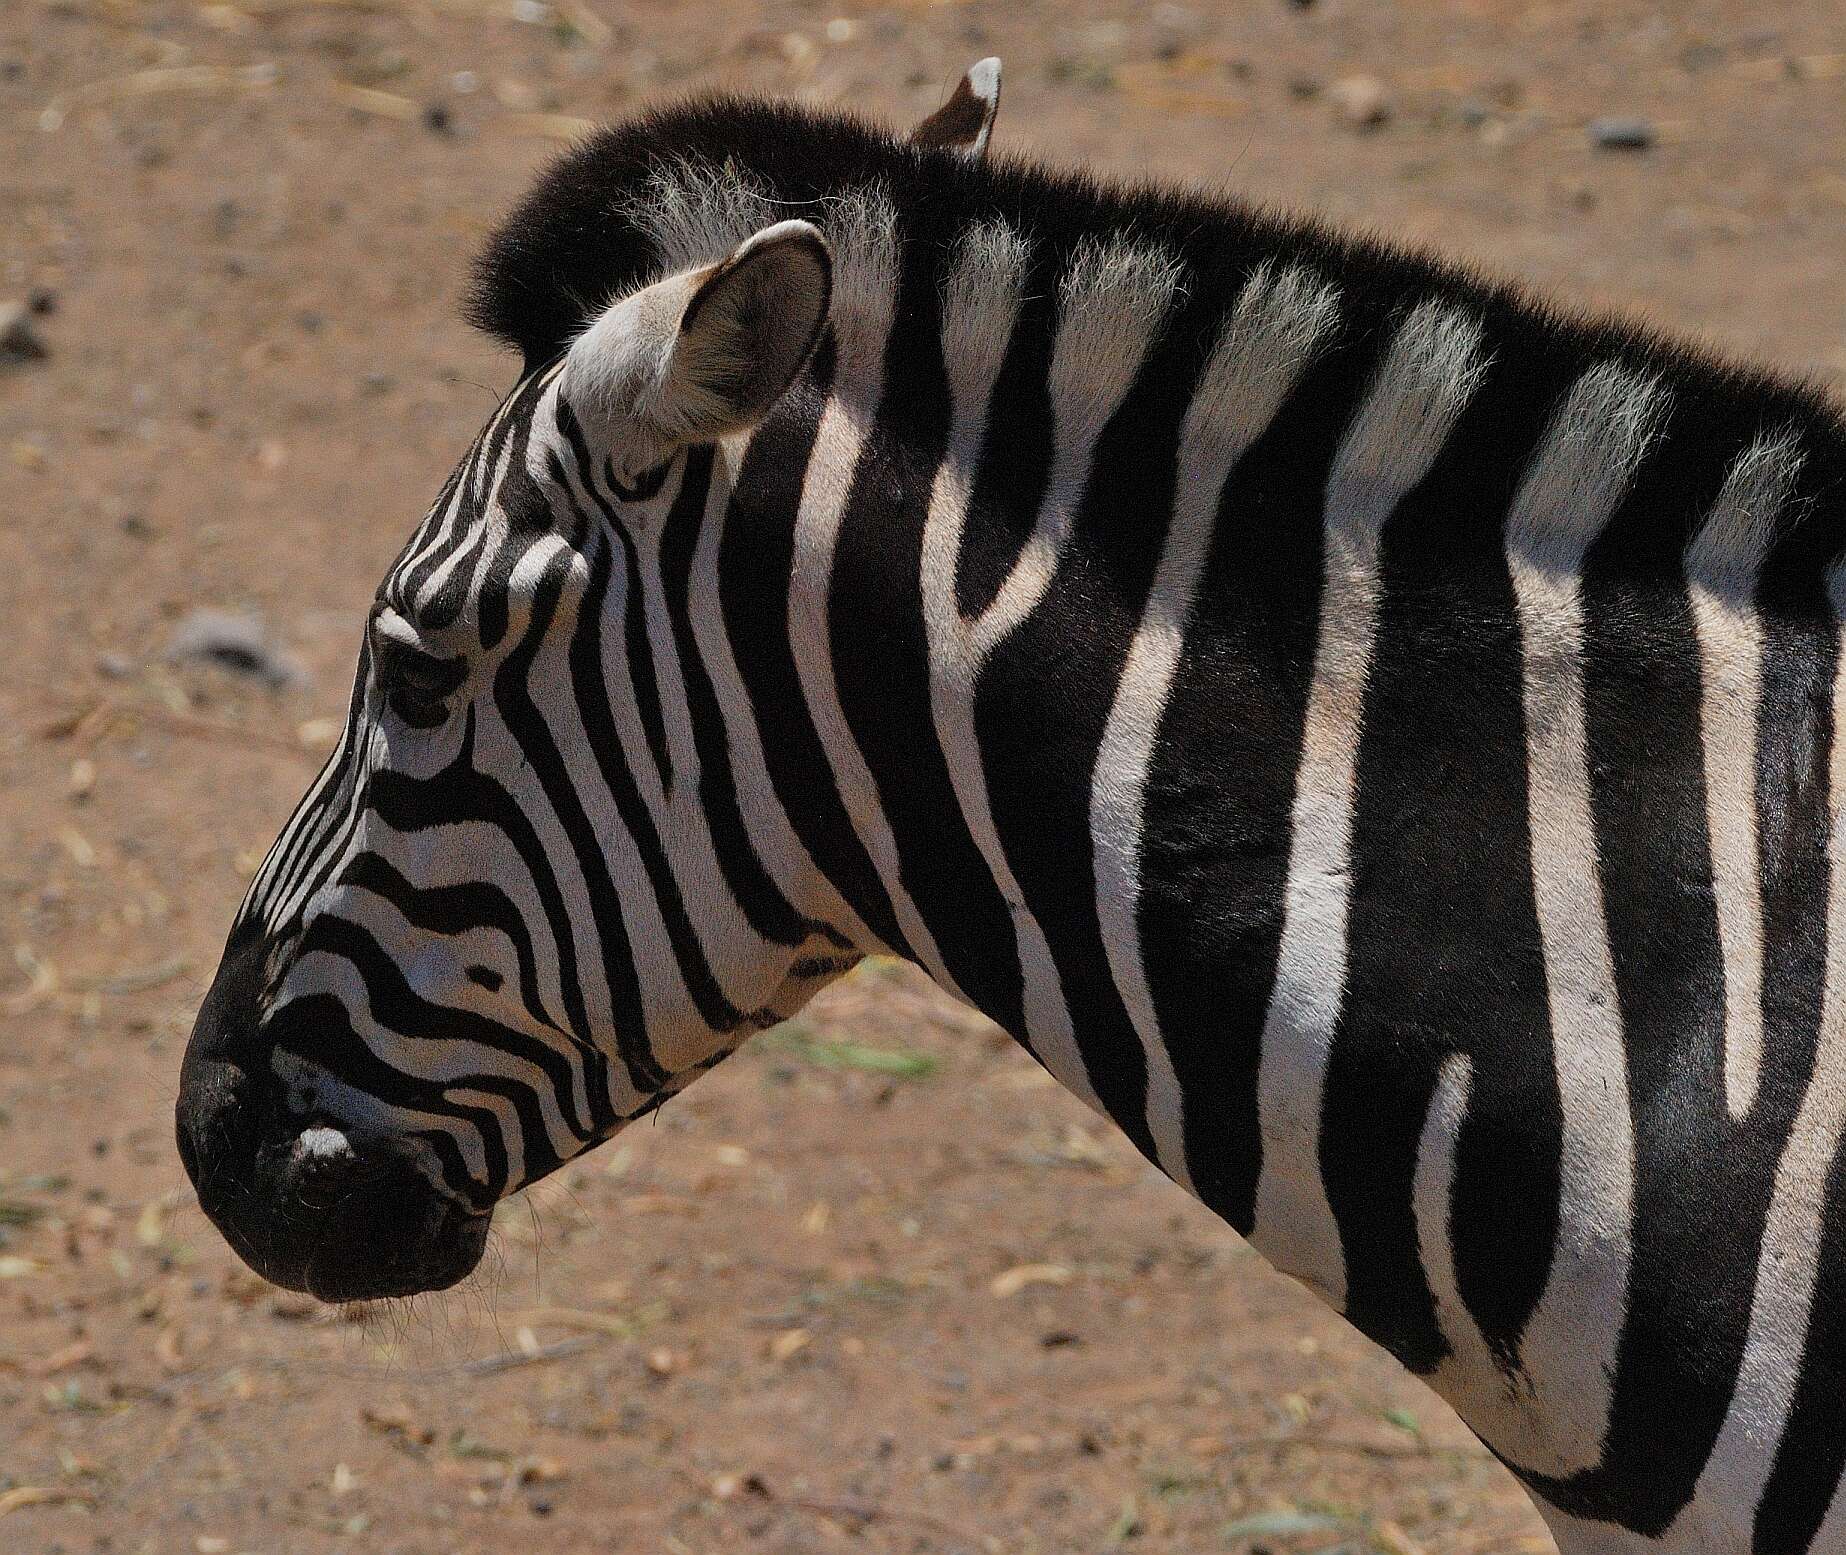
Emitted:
<point x="874" y="1286"/>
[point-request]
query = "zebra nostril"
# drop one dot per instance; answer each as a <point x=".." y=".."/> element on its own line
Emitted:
<point x="323" y="1166"/>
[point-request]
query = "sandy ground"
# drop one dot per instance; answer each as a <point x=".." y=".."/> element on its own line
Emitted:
<point x="874" y="1286"/>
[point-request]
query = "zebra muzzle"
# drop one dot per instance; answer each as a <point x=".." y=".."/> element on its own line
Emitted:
<point x="309" y="1202"/>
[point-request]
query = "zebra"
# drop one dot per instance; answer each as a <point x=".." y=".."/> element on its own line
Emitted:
<point x="1368" y="733"/>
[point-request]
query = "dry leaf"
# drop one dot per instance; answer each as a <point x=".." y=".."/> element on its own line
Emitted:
<point x="368" y="99"/>
<point x="1392" y="1540"/>
<point x="1016" y="1279"/>
<point x="39" y="1495"/>
<point x="169" y="1348"/>
<point x="787" y="1345"/>
<point x="574" y="1317"/>
<point x="62" y="1360"/>
<point x="397" y="1420"/>
<point x="80" y="848"/>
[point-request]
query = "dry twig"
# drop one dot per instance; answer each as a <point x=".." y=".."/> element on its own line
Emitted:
<point x="196" y="80"/>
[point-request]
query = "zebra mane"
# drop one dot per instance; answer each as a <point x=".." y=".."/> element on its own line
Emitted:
<point x="682" y="185"/>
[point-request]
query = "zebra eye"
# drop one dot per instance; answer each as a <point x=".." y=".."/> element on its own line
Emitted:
<point x="416" y="684"/>
<point x="643" y="488"/>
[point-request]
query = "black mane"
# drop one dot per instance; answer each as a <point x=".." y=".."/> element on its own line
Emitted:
<point x="567" y="249"/>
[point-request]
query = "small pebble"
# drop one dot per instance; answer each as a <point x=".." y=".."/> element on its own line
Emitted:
<point x="1618" y="134"/>
<point x="1361" y="102"/>
<point x="19" y="341"/>
<point x="438" y="120"/>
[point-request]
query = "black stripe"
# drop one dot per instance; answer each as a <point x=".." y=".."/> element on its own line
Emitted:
<point x="637" y="647"/>
<point x="1044" y="698"/>
<point x="1216" y="818"/>
<point x="1796" y="732"/>
<point x="1699" y="1182"/>
<point x="762" y="901"/>
<point x="412" y="1019"/>
<point x="1443" y="947"/>
<point x="586" y="657"/>
<point x="460" y="794"/>
<point x="456" y="909"/>
<point x="755" y="563"/>
<point x="881" y="652"/>
<point x="318" y="1029"/>
<point x="1015" y="462"/>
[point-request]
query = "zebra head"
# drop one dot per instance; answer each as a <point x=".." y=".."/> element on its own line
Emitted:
<point x="498" y="927"/>
<point x="524" y="902"/>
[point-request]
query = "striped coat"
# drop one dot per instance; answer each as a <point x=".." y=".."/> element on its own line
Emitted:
<point x="1367" y="733"/>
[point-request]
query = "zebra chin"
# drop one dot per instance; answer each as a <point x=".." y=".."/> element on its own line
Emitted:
<point x="309" y="1202"/>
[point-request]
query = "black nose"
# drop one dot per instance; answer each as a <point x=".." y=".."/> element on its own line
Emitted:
<point x="306" y="1202"/>
<point x="314" y="1209"/>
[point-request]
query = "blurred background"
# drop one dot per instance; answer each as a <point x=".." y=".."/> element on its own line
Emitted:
<point x="876" y="1285"/>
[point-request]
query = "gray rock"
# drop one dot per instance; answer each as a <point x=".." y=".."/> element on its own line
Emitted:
<point x="233" y="641"/>
<point x="1621" y="134"/>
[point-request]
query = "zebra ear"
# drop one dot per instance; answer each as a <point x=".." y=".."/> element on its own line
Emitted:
<point x="747" y="329"/>
<point x="706" y="352"/>
<point x="965" y="121"/>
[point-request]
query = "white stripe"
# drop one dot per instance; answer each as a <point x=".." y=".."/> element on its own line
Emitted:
<point x="1569" y="493"/>
<point x="772" y="834"/>
<point x="1787" y="1265"/>
<point x="1432" y="1194"/>
<point x="863" y="233"/>
<point x="1433" y="367"/>
<point x="1276" y="327"/>
<point x="1110" y="302"/>
<point x="1722" y="564"/>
